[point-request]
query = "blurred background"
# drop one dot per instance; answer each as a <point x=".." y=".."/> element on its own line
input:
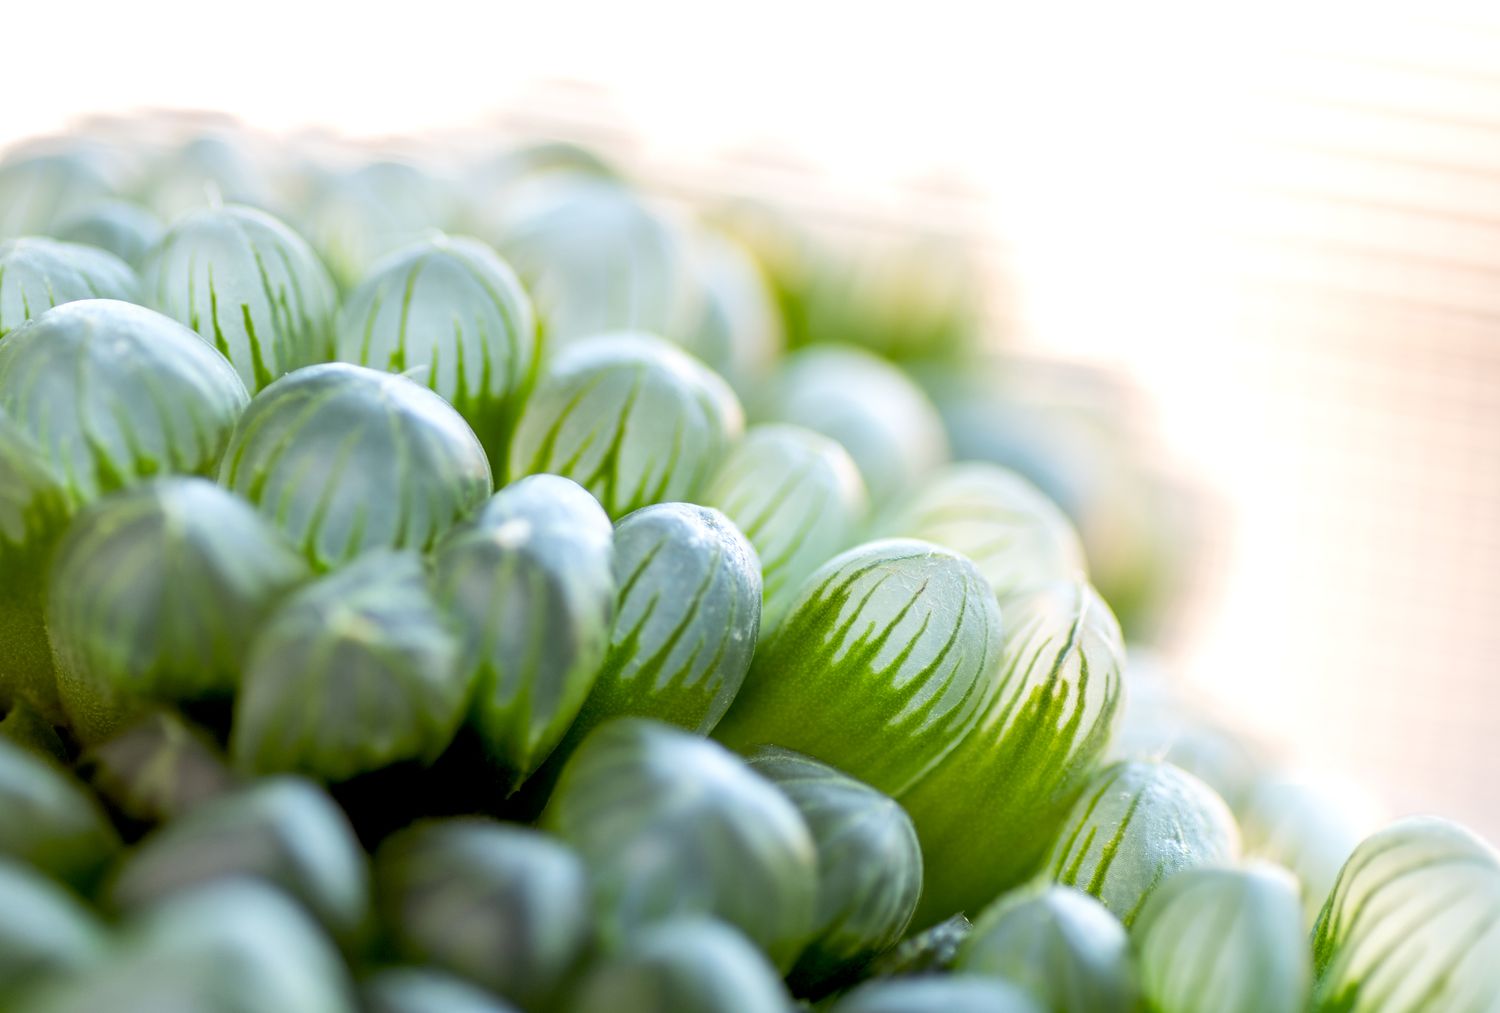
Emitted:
<point x="1236" y="273"/>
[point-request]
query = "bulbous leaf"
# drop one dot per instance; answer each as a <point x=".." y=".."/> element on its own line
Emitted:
<point x="869" y="866"/>
<point x="51" y="822"/>
<point x="798" y="498"/>
<point x="38" y="191"/>
<point x="531" y="584"/>
<point x="354" y="672"/>
<point x="37" y="274"/>
<point x="884" y="662"/>
<point x="449" y="309"/>
<point x="114" y="393"/>
<point x="346" y="459"/>
<point x="157" y="769"/>
<point x="419" y="990"/>
<point x="1017" y="537"/>
<point x="156" y="592"/>
<point x="1413" y="923"/>
<point x="46" y="930"/>
<point x="670" y="824"/>
<point x="281" y="830"/>
<point x="1136" y="825"/>
<point x="1058" y="944"/>
<point x="631" y="418"/>
<point x="503" y="906"/>
<point x="695" y="964"/>
<point x="127" y="230"/>
<point x="739" y="331"/>
<point x="1230" y="939"/>
<point x="866" y="404"/>
<point x="358" y="217"/>
<point x="987" y="813"/>
<point x="250" y="285"/>
<point x="948" y="993"/>
<point x="207" y="167"/>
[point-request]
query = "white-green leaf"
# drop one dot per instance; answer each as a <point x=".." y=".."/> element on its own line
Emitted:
<point x="695" y="964"/>
<point x="37" y="274"/>
<point x="946" y="993"/>
<point x="46" y="929"/>
<point x="126" y="229"/>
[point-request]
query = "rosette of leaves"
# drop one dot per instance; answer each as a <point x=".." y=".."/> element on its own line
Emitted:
<point x="1058" y="944"/>
<point x="598" y="258"/>
<point x="46" y="931"/>
<point x="249" y="285"/>
<point x="52" y="823"/>
<point x="869" y="866"/>
<point x="671" y="824"/>
<point x="451" y="312"/>
<point x="688" y="963"/>
<point x="281" y="830"/>
<point x="354" y="672"/>
<point x="420" y="990"/>
<point x="156" y="592"/>
<point x="883" y="663"/>
<point x="739" y="332"/>
<point x="504" y="906"/>
<point x="1412" y="924"/>
<point x="874" y="410"/>
<point x="38" y="191"/>
<point x="346" y="459"/>
<point x="156" y="769"/>
<point x="988" y="811"/>
<point x="946" y="993"/>
<point x="1135" y="825"/>
<point x="1230" y="939"/>
<point x="1015" y="535"/>
<point x="798" y="498"/>
<point x="124" y="228"/>
<point x="631" y="418"/>
<point x="530" y="582"/>
<point x="37" y="274"/>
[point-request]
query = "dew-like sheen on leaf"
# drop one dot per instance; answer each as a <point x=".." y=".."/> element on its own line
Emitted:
<point x="37" y="274"/>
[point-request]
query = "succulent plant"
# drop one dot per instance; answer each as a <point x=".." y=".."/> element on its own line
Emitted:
<point x="37" y="274"/>
<point x="46" y="929"/>
<point x="883" y="663"/>
<point x="40" y="190"/>
<point x="503" y="906"/>
<point x="418" y="990"/>
<point x="739" y="333"/>
<point x="156" y="769"/>
<point x="346" y="459"/>
<point x="357" y="217"/>
<point x="1135" y="825"/>
<point x="52" y="824"/>
<point x="355" y="671"/>
<point x="869" y="866"/>
<point x="531" y="583"/>
<point x="123" y="228"/>
<point x="1058" y="944"/>
<point x="451" y="314"/>
<point x="798" y="498"/>
<point x="629" y="417"/>
<point x="1227" y="938"/>
<point x="989" y="810"/>
<point x="670" y="824"/>
<point x="948" y="993"/>
<point x="158" y="589"/>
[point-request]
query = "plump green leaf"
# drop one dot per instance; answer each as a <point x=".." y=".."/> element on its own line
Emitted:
<point x="1136" y="825"/>
<point x="671" y="824"/>
<point x="948" y="993"/>
<point x="503" y="906"/>
<point x="419" y="990"/>
<point x="345" y="459"/>
<point x="46" y="930"/>
<point x="157" y="769"/>
<point x="50" y="821"/>
<point x="989" y="810"/>
<point x="798" y="498"/>
<point x="355" y="218"/>
<point x="354" y="672"/>
<point x="250" y="285"/>
<point x="37" y="274"/>
<point x="883" y="663"/>
<point x="451" y="312"/>
<point x="1230" y="939"/>
<point x="631" y="418"/>
<point x="530" y="581"/>
<point x="122" y="227"/>
<point x="687" y="964"/>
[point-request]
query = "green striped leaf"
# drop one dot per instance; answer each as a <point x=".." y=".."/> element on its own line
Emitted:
<point x="1136" y="825"/>
<point x="1058" y="944"/>
<point x="947" y="993"/>
<point x="346" y="459"/>
<point x="46" y="930"/>
<point x="1413" y="923"/>
<point x="1017" y="537"/>
<point x="1224" y="939"/>
<point x="354" y="672"/>
<point x="988" y="812"/>
<point x="671" y="824"/>
<point x="694" y="964"/>
<point x="531" y="584"/>
<point x="629" y="417"/>
<point x="126" y="229"/>
<point x="52" y="824"/>
<point x="798" y="498"/>
<point x="504" y="906"/>
<point x="449" y="310"/>
<point x="37" y="274"/>
<point x="156" y="592"/>
<point x="869" y="866"/>
<point x="883" y="664"/>
<point x="249" y="285"/>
